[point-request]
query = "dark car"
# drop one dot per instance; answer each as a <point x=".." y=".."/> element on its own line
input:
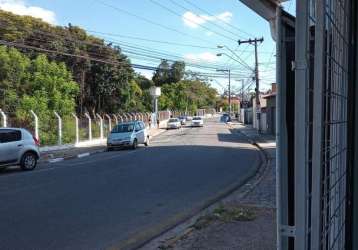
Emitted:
<point x="225" y="118"/>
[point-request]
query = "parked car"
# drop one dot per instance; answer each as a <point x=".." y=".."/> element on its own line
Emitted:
<point x="128" y="134"/>
<point x="182" y="120"/>
<point x="18" y="147"/>
<point x="173" y="123"/>
<point x="197" y="121"/>
<point x="225" y="118"/>
<point x="189" y="118"/>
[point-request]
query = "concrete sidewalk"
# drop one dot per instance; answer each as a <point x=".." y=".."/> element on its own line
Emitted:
<point x="71" y="151"/>
<point x="244" y="220"/>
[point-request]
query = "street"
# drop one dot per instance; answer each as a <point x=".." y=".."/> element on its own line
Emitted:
<point x="116" y="200"/>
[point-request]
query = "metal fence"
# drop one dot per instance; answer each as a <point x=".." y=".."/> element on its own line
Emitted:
<point x="321" y="145"/>
<point x="73" y="129"/>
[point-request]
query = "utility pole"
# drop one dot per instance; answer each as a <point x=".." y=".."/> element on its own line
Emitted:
<point x="257" y="90"/>
<point x="227" y="70"/>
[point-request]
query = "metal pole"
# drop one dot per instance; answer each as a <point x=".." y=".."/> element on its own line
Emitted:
<point x="229" y="92"/>
<point x="101" y="125"/>
<point x="59" y="127"/>
<point x="89" y="126"/>
<point x="77" y="130"/>
<point x="4" y="118"/>
<point x="300" y="134"/>
<point x="36" y="124"/>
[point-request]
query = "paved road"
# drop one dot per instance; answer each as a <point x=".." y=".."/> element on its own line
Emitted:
<point x="115" y="199"/>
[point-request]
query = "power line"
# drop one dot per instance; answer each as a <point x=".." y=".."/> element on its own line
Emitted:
<point x="154" y="41"/>
<point x="150" y="21"/>
<point x="176" y="14"/>
<point x="213" y="23"/>
<point x="113" y="63"/>
<point x="208" y="13"/>
<point x="130" y="50"/>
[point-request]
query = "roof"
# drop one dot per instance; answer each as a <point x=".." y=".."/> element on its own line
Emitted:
<point x="271" y="95"/>
<point x="265" y="8"/>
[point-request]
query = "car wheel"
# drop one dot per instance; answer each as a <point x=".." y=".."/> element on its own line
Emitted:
<point x="28" y="161"/>
<point x="147" y="142"/>
<point x="135" y="144"/>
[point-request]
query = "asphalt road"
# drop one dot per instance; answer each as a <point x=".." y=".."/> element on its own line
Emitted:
<point x="114" y="200"/>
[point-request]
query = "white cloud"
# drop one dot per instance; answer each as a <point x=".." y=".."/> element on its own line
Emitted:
<point x="193" y="20"/>
<point x="209" y="33"/>
<point x="20" y="7"/>
<point x="204" y="57"/>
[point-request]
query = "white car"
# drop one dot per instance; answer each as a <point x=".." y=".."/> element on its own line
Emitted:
<point x="128" y="134"/>
<point x="18" y="147"/>
<point x="173" y="123"/>
<point x="197" y="121"/>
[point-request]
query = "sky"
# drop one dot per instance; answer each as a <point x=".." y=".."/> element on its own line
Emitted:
<point x="188" y="30"/>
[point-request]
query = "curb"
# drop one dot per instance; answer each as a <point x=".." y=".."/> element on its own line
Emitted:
<point x="81" y="155"/>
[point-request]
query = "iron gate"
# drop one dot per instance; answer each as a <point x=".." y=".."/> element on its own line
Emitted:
<point x="321" y="144"/>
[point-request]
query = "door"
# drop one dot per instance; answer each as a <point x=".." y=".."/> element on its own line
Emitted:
<point x="10" y="145"/>
<point x="139" y="132"/>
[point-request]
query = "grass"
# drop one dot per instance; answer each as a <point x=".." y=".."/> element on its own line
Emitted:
<point x="225" y="214"/>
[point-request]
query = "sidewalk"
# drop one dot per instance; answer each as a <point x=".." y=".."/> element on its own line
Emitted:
<point x="71" y="151"/>
<point x="244" y="220"/>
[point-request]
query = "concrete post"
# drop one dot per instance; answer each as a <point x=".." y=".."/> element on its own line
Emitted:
<point x="77" y="130"/>
<point x="89" y="126"/>
<point x="36" y="124"/>
<point x="59" y="124"/>
<point x="115" y="118"/>
<point x="4" y="118"/>
<point x="109" y="122"/>
<point x="101" y="125"/>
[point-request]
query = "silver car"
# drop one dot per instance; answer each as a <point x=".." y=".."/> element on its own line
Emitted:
<point x="128" y="134"/>
<point x="18" y="147"/>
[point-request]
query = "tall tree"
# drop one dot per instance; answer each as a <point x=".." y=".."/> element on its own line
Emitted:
<point x="162" y="74"/>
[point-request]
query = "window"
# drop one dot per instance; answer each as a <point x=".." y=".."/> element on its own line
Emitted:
<point x="138" y="127"/>
<point x="142" y="125"/>
<point x="9" y="135"/>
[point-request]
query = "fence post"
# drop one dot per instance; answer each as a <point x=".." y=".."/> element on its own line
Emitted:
<point x="4" y="118"/>
<point x="115" y="118"/>
<point x="36" y="124"/>
<point x="77" y="132"/>
<point x="109" y="122"/>
<point x="101" y="125"/>
<point x="89" y="126"/>
<point x="59" y="127"/>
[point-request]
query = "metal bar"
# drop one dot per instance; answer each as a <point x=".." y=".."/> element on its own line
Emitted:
<point x="300" y="133"/>
<point x="319" y="71"/>
<point x="281" y="134"/>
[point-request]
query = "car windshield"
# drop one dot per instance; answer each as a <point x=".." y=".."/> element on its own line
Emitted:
<point x="197" y="118"/>
<point x="173" y="120"/>
<point x="123" y="128"/>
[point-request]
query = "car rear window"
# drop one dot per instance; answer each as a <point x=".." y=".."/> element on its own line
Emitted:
<point x="123" y="128"/>
<point x="10" y="135"/>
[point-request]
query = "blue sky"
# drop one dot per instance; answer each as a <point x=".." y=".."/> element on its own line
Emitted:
<point x="229" y="21"/>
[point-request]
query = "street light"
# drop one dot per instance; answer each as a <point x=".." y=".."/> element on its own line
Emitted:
<point x="239" y="60"/>
<point x="227" y="70"/>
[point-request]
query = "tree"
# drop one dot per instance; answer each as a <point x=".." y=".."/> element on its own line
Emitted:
<point x="177" y="71"/>
<point x="162" y="74"/>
